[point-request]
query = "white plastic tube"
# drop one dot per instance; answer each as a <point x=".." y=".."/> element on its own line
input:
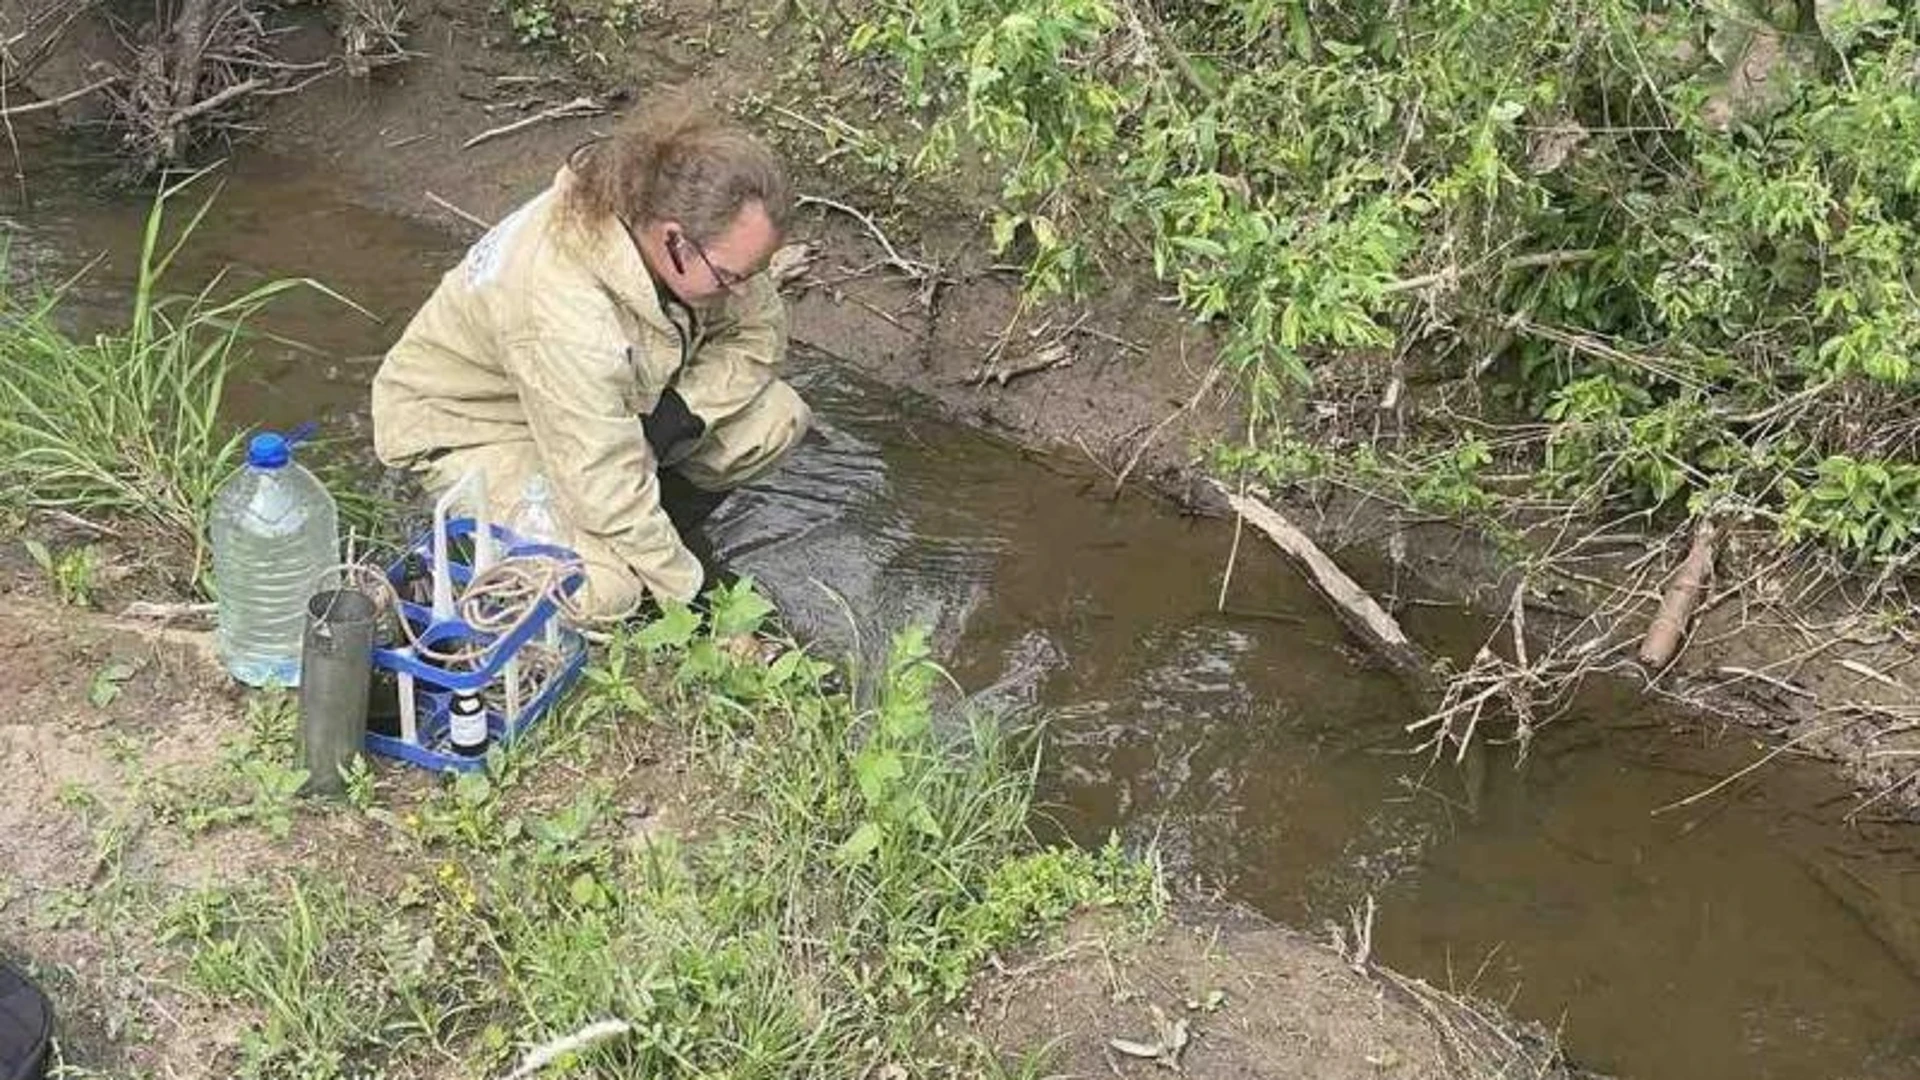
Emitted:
<point x="474" y="486"/>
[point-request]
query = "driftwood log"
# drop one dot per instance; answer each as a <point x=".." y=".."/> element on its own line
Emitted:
<point x="1356" y="608"/>
<point x="1683" y="595"/>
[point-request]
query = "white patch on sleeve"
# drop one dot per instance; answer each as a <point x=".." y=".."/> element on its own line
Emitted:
<point x="485" y="258"/>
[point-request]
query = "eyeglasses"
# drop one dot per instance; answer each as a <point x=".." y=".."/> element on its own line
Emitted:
<point x="726" y="279"/>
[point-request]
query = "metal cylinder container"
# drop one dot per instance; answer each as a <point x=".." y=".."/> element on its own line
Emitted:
<point x="336" y="670"/>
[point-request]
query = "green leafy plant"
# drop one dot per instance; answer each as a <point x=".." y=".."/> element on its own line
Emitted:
<point x="901" y="721"/>
<point x="534" y="22"/>
<point x="1865" y="509"/>
<point x="74" y="572"/>
<point x="1675" y="240"/>
<point x="103" y="689"/>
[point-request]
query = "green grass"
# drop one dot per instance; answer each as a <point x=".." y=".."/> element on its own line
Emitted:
<point x="854" y="863"/>
<point x="126" y="426"/>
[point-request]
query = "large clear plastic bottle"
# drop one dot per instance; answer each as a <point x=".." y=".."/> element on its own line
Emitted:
<point x="276" y="531"/>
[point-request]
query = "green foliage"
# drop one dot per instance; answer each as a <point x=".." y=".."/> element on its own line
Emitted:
<point x="1676" y="239"/>
<point x="1451" y="482"/>
<point x="582" y="29"/>
<point x="1866" y="509"/>
<point x="329" y="985"/>
<point x="72" y="573"/>
<point x="103" y="689"/>
<point x="533" y="21"/>
<point x="253" y="783"/>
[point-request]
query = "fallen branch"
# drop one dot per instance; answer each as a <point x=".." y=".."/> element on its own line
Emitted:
<point x="472" y="219"/>
<point x="1537" y="261"/>
<point x="912" y="269"/>
<point x="55" y="102"/>
<point x="230" y="94"/>
<point x="578" y="107"/>
<point x="143" y="609"/>
<point x="1682" y="596"/>
<point x="1355" y="607"/>
<point x="1051" y="356"/>
<point x="1206" y="386"/>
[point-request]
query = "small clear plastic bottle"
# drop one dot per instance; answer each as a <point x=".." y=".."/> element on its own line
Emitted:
<point x="536" y="520"/>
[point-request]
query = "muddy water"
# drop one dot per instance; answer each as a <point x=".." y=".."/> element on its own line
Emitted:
<point x="1746" y="936"/>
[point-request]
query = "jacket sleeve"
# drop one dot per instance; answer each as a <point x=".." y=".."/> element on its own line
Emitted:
<point x="741" y="344"/>
<point x="577" y="386"/>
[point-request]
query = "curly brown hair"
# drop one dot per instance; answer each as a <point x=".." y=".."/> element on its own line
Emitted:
<point x="682" y="161"/>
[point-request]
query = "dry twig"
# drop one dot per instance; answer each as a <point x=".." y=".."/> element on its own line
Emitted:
<point x="578" y="107"/>
<point x="1355" y="607"/>
<point x="917" y="270"/>
<point x="1798" y="740"/>
<point x="472" y="219"/>
<point x="67" y="98"/>
<point x="1140" y="451"/>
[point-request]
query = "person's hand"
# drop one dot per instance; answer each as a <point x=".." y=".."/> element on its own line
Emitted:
<point x="747" y="648"/>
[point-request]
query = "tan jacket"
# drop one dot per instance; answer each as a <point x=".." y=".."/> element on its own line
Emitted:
<point x="541" y="335"/>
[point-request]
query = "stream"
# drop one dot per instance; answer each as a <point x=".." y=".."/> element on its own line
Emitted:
<point x="1259" y="750"/>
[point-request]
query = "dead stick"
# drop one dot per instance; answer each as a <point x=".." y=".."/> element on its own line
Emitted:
<point x="1770" y="755"/>
<point x="1356" y="608"/>
<point x="576" y="107"/>
<point x="231" y="93"/>
<point x="907" y="266"/>
<point x="64" y="99"/>
<point x="1538" y="260"/>
<point x="1152" y="436"/>
<point x="1682" y="596"/>
<point x="143" y="609"/>
<point x="471" y="219"/>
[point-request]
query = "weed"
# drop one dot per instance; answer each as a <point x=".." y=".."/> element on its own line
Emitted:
<point x="582" y="29"/>
<point x="306" y="957"/>
<point x="103" y="689"/>
<point x="253" y="783"/>
<point x="73" y="573"/>
<point x="1866" y="509"/>
<point x="362" y="783"/>
<point x="533" y="21"/>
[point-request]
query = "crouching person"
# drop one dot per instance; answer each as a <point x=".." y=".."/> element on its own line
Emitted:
<point x="618" y="334"/>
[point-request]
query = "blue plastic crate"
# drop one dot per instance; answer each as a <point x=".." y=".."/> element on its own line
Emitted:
<point x="434" y="686"/>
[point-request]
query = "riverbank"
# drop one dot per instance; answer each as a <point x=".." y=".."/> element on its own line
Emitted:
<point x="665" y="856"/>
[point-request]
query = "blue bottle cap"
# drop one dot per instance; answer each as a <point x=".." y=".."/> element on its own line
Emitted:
<point x="268" y="450"/>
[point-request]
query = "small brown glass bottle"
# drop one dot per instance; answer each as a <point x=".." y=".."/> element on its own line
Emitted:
<point x="467" y="725"/>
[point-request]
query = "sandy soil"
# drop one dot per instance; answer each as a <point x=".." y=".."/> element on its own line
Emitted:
<point x="1222" y="993"/>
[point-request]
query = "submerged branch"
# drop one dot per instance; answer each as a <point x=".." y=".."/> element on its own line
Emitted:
<point x="68" y="98"/>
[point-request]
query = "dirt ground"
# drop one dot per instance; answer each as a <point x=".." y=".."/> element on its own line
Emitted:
<point x="1221" y="993"/>
<point x="118" y="733"/>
